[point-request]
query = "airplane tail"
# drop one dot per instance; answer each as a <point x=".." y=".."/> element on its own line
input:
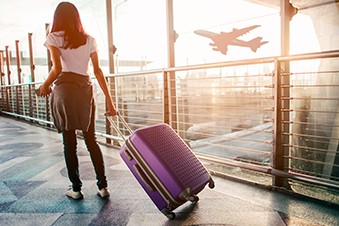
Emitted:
<point x="255" y="43"/>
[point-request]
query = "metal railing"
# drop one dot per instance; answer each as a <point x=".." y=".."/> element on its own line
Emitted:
<point x="278" y="116"/>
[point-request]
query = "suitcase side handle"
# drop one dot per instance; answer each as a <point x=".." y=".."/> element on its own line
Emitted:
<point x="115" y="126"/>
<point x="144" y="178"/>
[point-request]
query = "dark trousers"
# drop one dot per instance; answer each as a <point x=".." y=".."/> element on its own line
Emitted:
<point x="71" y="158"/>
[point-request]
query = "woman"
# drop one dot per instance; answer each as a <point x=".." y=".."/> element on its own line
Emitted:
<point x="72" y="102"/>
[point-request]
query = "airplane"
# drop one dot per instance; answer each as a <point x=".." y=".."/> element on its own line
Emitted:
<point x="222" y="40"/>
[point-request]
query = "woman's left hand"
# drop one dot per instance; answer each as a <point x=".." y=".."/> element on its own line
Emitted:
<point x="45" y="91"/>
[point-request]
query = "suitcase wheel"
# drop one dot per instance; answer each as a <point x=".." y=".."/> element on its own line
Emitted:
<point x="192" y="198"/>
<point x="211" y="184"/>
<point x="169" y="214"/>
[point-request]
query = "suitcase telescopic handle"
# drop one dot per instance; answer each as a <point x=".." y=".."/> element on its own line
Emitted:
<point x="115" y="126"/>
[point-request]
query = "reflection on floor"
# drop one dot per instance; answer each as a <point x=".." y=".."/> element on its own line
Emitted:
<point x="34" y="181"/>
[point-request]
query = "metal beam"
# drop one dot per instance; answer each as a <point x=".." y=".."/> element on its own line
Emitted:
<point x="111" y="51"/>
<point x="170" y="105"/>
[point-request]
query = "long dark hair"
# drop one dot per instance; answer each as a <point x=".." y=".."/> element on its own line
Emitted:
<point x="67" y="19"/>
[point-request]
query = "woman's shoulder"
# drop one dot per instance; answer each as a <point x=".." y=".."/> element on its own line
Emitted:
<point x="90" y="38"/>
<point x="91" y="41"/>
<point x="54" y="39"/>
<point x="57" y="34"/>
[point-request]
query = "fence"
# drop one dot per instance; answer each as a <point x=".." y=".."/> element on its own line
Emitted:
<point x="274" y="116"/>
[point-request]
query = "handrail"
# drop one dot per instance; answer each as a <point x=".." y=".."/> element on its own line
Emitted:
<point x="22" y="84"/>
<point x="272" y="171"/>
<point x="27" y="117"/>
<point x="305" y="56"/>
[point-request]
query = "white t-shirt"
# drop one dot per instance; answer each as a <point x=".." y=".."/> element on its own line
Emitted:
<point x="73" y="60"/>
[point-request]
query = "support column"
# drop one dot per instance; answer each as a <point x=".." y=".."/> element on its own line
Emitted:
<point x="31" y="57"/>
<point x="111" y="51"/>
<point x="287" y="11"/>
<point x="8" y="91"/>
<point x="2" y="77"/>
<point x="18" y="88"/>
<point x="2" y="74"/>
<point x="170" y="101"/>
<point x="49" y="65"/>
<point x="18" y="61"/>
<point x="8" y="62"/>
<point x="32" y="96"/>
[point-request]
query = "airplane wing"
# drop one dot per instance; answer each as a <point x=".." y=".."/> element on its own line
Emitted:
<point x="253" y="44"/>
<point x="204" y="33"/>
<point x="219" y="43"/>
<point x="221" y="48"/>
<point x="235" y="33"/>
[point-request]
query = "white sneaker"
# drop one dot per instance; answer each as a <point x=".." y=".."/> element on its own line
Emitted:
<point x="74" y="194"/>
<point x="104" y="193"/>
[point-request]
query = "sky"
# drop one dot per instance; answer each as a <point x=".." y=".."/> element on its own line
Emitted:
<point x="134" y="36"/>
<point x="20" y="17"/>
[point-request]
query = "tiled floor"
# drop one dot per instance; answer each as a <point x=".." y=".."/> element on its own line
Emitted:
<point x="34" y="181"/>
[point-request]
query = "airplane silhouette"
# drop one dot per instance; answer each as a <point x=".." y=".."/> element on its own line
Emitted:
<point x="222" y="40"/>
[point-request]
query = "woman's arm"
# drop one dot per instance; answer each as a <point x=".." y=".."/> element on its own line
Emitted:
<point x="103" y="83"/>
<point x="54" y="72"/>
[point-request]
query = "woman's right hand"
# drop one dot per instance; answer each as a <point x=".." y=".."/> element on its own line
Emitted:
<point x="111" y="109"/>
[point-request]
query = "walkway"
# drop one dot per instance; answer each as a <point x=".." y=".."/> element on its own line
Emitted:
<point x="34" y="181"/>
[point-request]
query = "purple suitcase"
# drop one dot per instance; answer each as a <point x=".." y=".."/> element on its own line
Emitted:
<point x="165" y="166"/>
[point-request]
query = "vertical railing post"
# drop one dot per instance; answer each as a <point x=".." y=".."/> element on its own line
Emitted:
<point x="8" y="63"/>
<point x="8" y="93"/>
<point x="2" y="74"/>
<point x="1" y="66"/>
<point x="32" y="97"/>
<point x="166" y="94"/>
<point x="2" y="79"/>
<point x="7" y="98"/>
<point x="18" y="87"/>
<point x="49" y="66"/>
